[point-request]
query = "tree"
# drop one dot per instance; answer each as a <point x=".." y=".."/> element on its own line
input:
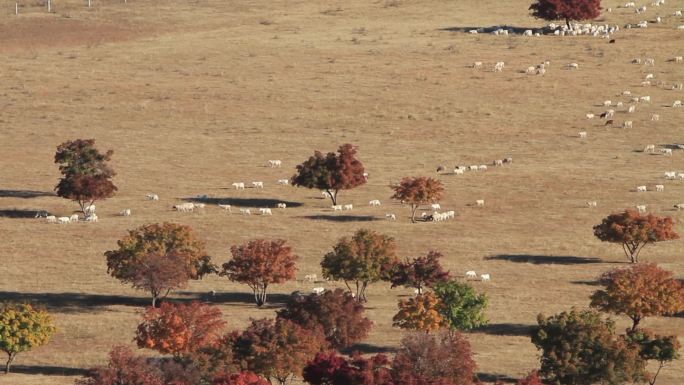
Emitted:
<point x="419" y="313"/>
<point x="259" y="263"/>
<point x="639" y="291"/>
<point x="159" y="258"/>
<point x="531" y="379"/>
<point x="579" y="347"/>
<point x="364" y="258"/>
<point x="178" y="328"/>
<point x="22" y="328"/>
<point x="663" y="349"/>
<point x="420" y="272"/>
<point x="85" y="172"/>
<point x="460" y="305"/>
<point x="331" y="172"/>
<point x="438" y="358"/>
<point x="276" y="349"/>
<point x="327" y="368"/>
<point x="242" y="378"/>
<point x="418" y="191"/>
<point x="567" y="10"/>
<point x="634" y="231"/>
<point x="336" y="313"/>
<point x="124" y="368"/>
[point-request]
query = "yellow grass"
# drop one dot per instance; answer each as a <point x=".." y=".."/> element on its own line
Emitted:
<point x="193" y="96"/>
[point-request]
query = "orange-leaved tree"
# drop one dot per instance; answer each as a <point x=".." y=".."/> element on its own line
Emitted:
<point x="364" y="258"/>
<point x="419" y="313"/>
<point x="85" y="172"/>
<point x="634" y="231"/>
<point x="418" y="191"/>
<point x="331" y="172"/>
<point x="639" y="291"/>
<point x="178" y="328"/>
<point x="260" y="263"/>
<point x="159" y="258"/>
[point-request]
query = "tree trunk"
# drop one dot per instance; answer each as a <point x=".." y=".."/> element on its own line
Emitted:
<point x="413" y="213"/>
<point x="154" y="301"/>
<point x="635" y="322"/>
<point x="10" y="358"/>
<point x="655" y="376"/>
<point x="567" y="22"/>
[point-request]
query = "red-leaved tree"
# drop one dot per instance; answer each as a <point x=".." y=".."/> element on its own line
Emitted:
<point x="178" y="328"/>
<point x="336" y="312"/>
<point x="124" y="368"/>
<point x="567" y="10"/>
<point x="418" y="191"/>
<point x="159" y="258"/>
<point x="242" y="378"/>
<point x="331" y="172"/>
<point x="260" y="263"/>
<point x="423" y="271"/>
<point x="633" y="231"/>
<point x="327" y="368"/>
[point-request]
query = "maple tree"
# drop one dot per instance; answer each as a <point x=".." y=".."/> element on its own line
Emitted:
<point x="276" y="349"/>
<point x="441" y="358"/>
<point x="580" y="347"/>
<point x="662" y="349"/>
<point x="364" y="258"/>
<point x="419" y="313"/>
<point x="336" y="312"/>
<point x="179" y="328"/>
<point x="639" y="291"/>
<point x="23" y="328"/>
<point x="422" y="271"/>
<point x="260" y="263"/>
<point x="331" y="172"/>
<point x="460" y="305"/>
<point x="159" y="258"/>
<point x="566" y="10"/>
<point x="327" y="368"/>
<point x="634" y="231"/>
<point x="85" y="172"/>
<point x="531" y="379"/>
<point x="242" y="378"/>
<point x="418" y="191"/>
<point x="124" y="368"/>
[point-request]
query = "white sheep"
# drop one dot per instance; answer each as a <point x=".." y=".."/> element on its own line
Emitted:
<point x="239" y="185"/>
<point x="374" y="203"/>
<point x="51" y="219"/>
<point x="641" y="208"/>
<point x="592" y="203"/>
<point x="283" y="182"/>
<point x="184" y="207"/>
<point x="670" y="174"/>
<point x="318" y="290"/>
<point x="666" y="151"/>
<point x="485" y="278"/>
<point x="641" y="189"/>
<point x="649" y="148"/>
<point x="275" y="163"/>
<point x="73" y="218"/>
<point x="659" y="187"/>
<point x="265" y="211"/>
<point x="91" y="218"/>
<point x="281" y="205"/>
<point x="245" y="212"/>
<point x="336" y="207"/>
<point x="258" y="184"/>
<point x="311" y="278"/>
<point x="631" y="109"/>
<point x="349" y="206"/>
<point x="655" y="117"/>
<point x="679" y="206"/>
<point x="436" y="206"/>
<point x="480" y="202"/>
<point x="471" y="274"/>
<point x="125" y="213"/>
<point x="225" y="207"/>
<point x="152" y="197"/>
<point x="482" y="167"/>
<point x="590" y="116"/>
<point x="63" y="220"/>
<point x="627" y="124"/>
<point x="582" y="134"/>
<point x="677" y="104"/>
<point x="572" y="66"/>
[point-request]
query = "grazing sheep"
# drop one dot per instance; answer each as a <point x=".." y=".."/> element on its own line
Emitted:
<point x="51" y="219"/>
<point x="666" y="151"/>
<point x="63" y="220"/>
<point x="471" y="274"/>
<point x="200" y="205"/>
<point x="499" y="66"/>
<point x="472" y="168"/>
<point x="283" y="182"/>
<point x="265" y="211"/>
<point x="508" y="160"/>
<point x="607" y="103"/>
<point x="435" y="206"/>
<point x="680" y="175"/>
<point x="677" y="104"/>
<point x="391" y="217"/>
<point x="318" y="290"/>
<point x="645" y="99"/>
<point x="374" y="202"/>
<point x="336" y="207"/>
<point x="659" y="187"/>
<point x="572" y="66"/>
<point x="326" y="194"/>
<point x="641" y="189"/>
<point x="480" y="202"/>
<point x="281" y="205"/>
<point x="590" y="116"/>
<point x="239" y="185"/>
<point x="89" y="209"/>
<point x="311" y="278"/>
<point x="349" y="206"/>
<point x="225" y="207"/>
<point x="458" y="171"/>
<point x="258" y="184"/>
<point x="73" y="218"/>
<point x="679" y="206"/>
<point x="275" y="163"/>
<point x="485" y="278"/>
<point x="592" y="203"/>
<point x="498" y="162"/>
<point x="184" y="207"/>
<point x="91" y="218"/>
<point x="472" y="32"/>
<point x="627" y="124"/>
<point x="649" y="62"/>
<point x="655" y="117"/>
<point x="650" y="76"/>
<point x="678" y="59"/>
<point x="649" y="148"/>
<point x="631" y="109"/>
<point x="245" y="212"/>
<point x="125" y="213"/>
<point x="152" y="197"/>
<point x="641" y="208"/>
<point x="482" y="167"/>
<point x="583" y="134"/>
<point x="530" y="70"/>
<point x="477" y="65"/>
<point x="670" y="174"/>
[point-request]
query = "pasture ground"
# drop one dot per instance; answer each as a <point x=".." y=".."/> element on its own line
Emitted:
<point x="193" y="96"/>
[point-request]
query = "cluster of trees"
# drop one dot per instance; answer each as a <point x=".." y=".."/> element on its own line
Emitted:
<point x="582" y="347"/>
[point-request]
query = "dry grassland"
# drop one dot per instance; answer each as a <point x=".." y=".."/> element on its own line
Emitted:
<point x="193" y="96"/>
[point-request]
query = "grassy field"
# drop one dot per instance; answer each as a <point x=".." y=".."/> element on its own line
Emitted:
<point x="193" y="96"/>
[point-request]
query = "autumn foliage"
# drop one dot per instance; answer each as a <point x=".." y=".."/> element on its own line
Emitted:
<point x="260" y="263"/>
<point x="423" y="271"/>
<point x="335" y="312"/>
<point x="276" y="349"/>
<point x="566" y="10"/>
<point x="327" y="368"/>
<point x="418" y="191"/>
<point x="159" y="258"/>
<point x="124" y="368"/>
<point x="179" y="328"/>
<point x="653" y="347"/>
<point x="22" y="328"/>
<point x="639" y="291"/>
<point x="85" y="172"/>
<point x="242" y="378"/>
<point x="419" y="313"/>
<point x="331" y="172"/>
<point x="634" y="231"/>
<point x="364" y="258"/>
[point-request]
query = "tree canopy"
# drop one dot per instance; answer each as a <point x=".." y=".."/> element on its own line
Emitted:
<point x="23" y="328"/>
<point x="418" y="191"/>
<point x="460" y="305"/>
<point x="566" y="10"/>
<point x="422" y="271"/>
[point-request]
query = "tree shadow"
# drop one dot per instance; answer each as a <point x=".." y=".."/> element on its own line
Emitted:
<point x="17" y="213"/>
<point x="543" y="259"/>
<point x="48" y="370"/>
<point x="494" y="377"/>
<point x="588" y="283"/>
<point x="368" y="349"/>
<point x="244" y="202"/>
<point x="26" y="194"/>
<point x="507" y="329"/>
<point x="342" y="218"/>
<point x="73" y="302"/>
<point x="273" y="300"/>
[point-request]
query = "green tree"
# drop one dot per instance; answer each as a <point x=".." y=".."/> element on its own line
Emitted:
<point x="581" y="348"/>
<point x="364" y="258"/>
<point x="85" y="172"/>
<point x="22" y="328"/>
<point x="460" y="305"/>
<point x="653" y="347"/>
<point x="331" y="172"/>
